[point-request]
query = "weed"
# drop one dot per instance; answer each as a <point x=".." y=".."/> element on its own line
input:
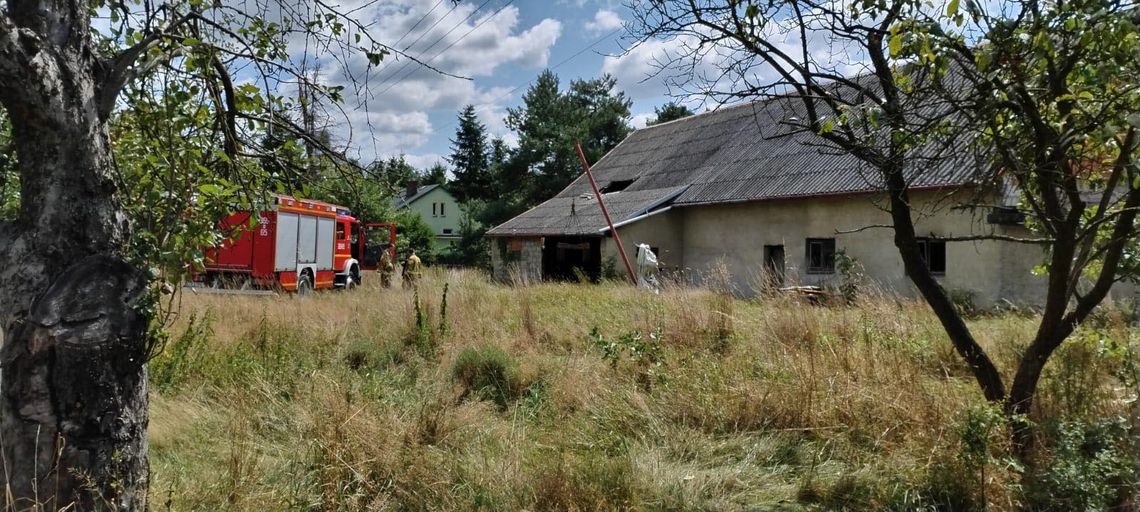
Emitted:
<point x="170" y="367"/>
<point x="645" y="354"/>
<point x="487" y="373"/>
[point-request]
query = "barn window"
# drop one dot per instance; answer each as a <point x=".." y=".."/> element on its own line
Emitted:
<point x="934" y="254"/>
<point x="820" y="255"/>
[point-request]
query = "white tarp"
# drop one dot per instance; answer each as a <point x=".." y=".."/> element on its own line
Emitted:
<point x="647" y="268"/>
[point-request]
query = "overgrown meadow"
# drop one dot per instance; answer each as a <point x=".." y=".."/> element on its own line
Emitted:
<point x="604" y="397"/>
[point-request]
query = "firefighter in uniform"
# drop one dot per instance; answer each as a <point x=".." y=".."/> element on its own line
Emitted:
<point x="386" y="268"/>
<point x="413" y="269"/>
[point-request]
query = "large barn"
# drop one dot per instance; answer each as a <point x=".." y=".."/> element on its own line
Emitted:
<point x="731" y="190"/>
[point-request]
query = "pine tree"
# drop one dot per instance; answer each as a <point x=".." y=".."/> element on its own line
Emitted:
<point x="469" y="158"/>
<point x="549" y="123"/>
<point x="669" y="112"/>
<point x="435" y="175"/>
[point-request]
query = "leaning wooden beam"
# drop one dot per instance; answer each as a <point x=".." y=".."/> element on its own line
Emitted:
<point x="606" y="214"/>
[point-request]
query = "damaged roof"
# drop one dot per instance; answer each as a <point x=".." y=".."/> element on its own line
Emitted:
<point x="741" y="153"/>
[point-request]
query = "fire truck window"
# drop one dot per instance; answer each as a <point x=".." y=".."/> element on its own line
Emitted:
<point x="340" y="231"/>
<point x="355" y="234"/>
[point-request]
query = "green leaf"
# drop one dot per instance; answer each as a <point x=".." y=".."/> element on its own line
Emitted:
<point x="895" y="45"/>
<point x="952" y="8"/>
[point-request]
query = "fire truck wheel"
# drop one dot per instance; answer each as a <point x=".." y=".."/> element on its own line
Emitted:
<point x="353" y="279"/>
<point x="304" y="285"/>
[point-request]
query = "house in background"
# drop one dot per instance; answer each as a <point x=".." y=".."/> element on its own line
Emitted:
<point x="732" y="190"/>
<point x="437" y="207"/>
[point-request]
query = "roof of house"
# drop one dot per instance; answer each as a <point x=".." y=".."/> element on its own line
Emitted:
<point x="403" y="200"/>
<point x="740" y="153"/>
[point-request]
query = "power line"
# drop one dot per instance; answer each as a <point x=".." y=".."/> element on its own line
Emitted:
<point x="423" y="52"/>
<point x="421" y="20"/>
<point x="428" y="30"/>
<point x="441" y="52"/>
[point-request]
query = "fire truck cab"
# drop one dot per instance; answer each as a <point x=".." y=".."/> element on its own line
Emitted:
<point x="299" y="245"/>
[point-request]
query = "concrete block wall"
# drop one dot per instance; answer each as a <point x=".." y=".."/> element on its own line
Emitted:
<point x="516" y="259"/>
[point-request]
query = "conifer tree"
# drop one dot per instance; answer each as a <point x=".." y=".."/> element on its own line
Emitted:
<point x="469" y="157"/>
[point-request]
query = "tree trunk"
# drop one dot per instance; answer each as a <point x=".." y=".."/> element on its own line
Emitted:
<point x="987" y="375"/>
<point x="73" y="388"/>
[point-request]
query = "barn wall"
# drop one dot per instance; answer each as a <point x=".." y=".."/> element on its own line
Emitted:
<point x="516" y="259"/>
<point x="732" y="237"/>
<point x="665" y="231"/>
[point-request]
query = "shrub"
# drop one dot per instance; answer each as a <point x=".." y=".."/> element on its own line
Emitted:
<point x="488" y="373"/>
<point x="367" y="354"/>
<point x="1092" y="468"/>
<point x="645" y="354"/>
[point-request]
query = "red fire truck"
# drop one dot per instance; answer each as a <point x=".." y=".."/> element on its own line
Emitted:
<point x="299" y="245"/>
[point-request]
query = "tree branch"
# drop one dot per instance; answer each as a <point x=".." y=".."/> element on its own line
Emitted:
<point x="119" y="69"/>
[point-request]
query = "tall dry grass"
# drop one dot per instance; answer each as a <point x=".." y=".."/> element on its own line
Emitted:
<point x="332" y="402"/>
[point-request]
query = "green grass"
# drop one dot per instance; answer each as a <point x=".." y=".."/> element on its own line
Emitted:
<point x="343" y="402"/>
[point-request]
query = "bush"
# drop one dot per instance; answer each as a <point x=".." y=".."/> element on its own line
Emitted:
<point x="364" y="355"/>
<point x="1092" y="468"/>
<point x="488" y="373"/>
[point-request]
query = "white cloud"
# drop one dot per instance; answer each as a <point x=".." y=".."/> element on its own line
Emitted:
<point x="426" y="160"/>
<point x="639" y="120"/>
<point x="604" y="21"/>
<point x="388" y="105"/>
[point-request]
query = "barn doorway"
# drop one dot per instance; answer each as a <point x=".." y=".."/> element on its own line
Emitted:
<point x="774" y="265"/>
<point x="568" y="258"/>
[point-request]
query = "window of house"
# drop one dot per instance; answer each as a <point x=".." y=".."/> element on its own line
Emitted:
<point x="934" y="254"/>
<point x="441" y="214"/>
<point x="447" y="231"/>
<point x="820" y="255"/>
<point x="433" y="210"/>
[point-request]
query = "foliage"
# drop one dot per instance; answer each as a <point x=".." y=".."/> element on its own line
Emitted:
<point x="174" y="361"/>
<point x="171" y="179"/>
<point x="1093" y="467"/>
<point x="860" y="398"/>
<point x="415" y="233"/>
<point x="1045" y="94"/>
<point x="851" y="276"/>
<point x="646" y="355"/>
<point x="435" y="175"/>
<point x="421" y="338"/>
<point x="551" y="121"/>
<point x="669" y="112"/>
<point x="473" y="248"/>
<point x="393" y="174"/>
<point x="487" y="373"/>
<point x="469" y="157"/>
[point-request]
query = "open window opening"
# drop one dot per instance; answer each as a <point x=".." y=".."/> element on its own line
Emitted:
<point x="933" y="254"/>
<point x="616" y="186"/>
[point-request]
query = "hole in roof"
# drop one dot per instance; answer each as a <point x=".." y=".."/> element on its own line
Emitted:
<point x="616" y="186"/>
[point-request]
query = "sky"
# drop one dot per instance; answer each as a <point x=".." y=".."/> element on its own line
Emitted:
<point x="502" y="45"/>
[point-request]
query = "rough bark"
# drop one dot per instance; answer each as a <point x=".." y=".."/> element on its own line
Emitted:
<point x="72" y="364"/>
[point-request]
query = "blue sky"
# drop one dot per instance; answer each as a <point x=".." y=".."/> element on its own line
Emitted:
<point x="502" y="46"/>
